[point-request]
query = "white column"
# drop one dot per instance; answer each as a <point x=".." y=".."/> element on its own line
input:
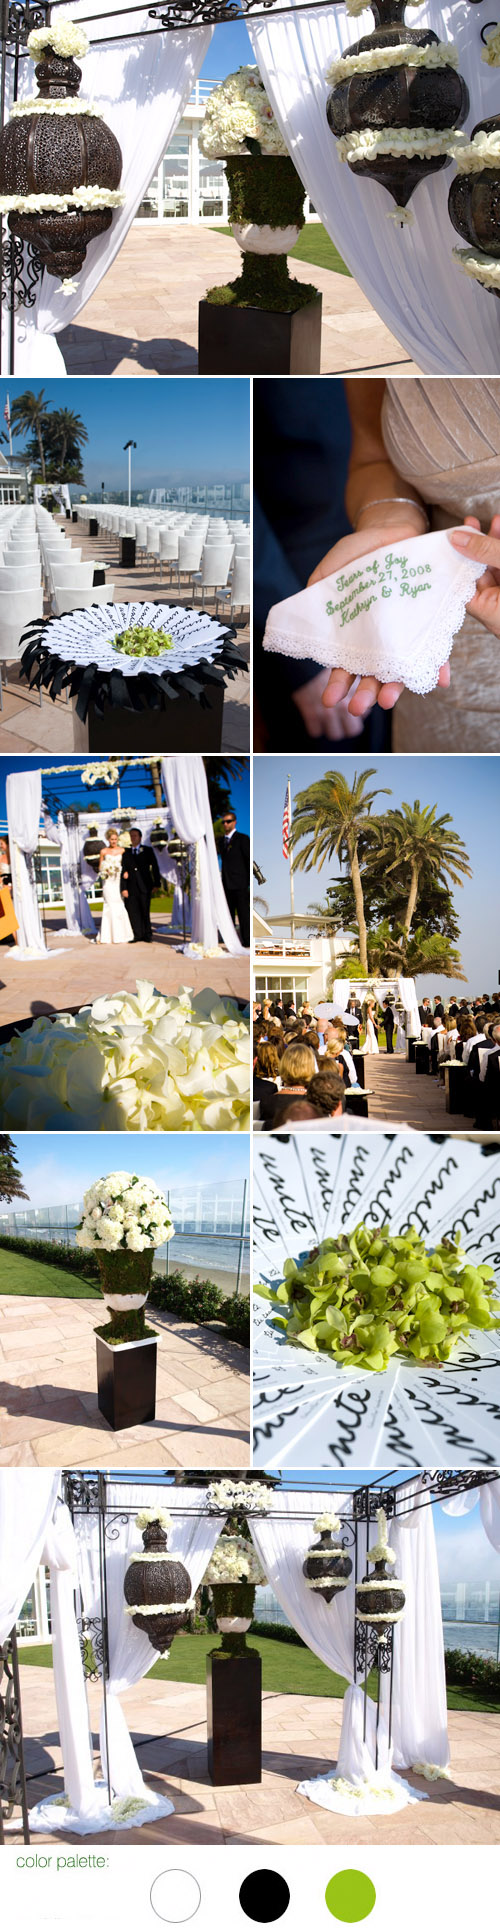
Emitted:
<point x="193" y="176"/>
<point x="41" y="1612"/>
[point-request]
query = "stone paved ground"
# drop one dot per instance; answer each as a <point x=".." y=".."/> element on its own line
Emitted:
<point x="48" y="1401"/>
<point x="398" y="1095"/>
<point x="83" y="970"/>
<point x="25" y="725"/>
<point x="300" y="1740"/>
<point x="143" y="318"/>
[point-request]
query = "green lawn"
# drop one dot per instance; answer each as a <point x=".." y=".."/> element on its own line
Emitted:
<point x="285" y="1667"/>
<point x="314" y="246"/>
<point x="22" y="1276"/>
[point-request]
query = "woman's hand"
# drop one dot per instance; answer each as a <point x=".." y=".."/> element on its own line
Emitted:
<point x="485" y="604"/>
<point x="372" y="536"/>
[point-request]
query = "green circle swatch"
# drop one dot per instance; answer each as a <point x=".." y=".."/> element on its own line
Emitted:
<point x="350" y="1896"/>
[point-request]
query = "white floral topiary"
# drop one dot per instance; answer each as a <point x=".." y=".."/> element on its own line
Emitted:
<point x="240" y="107"/>
<point x="123" y="1212"/>
<point x="234" y="1561"/>
<point x="232" y="1495"/>
<point x="64" y="38"/>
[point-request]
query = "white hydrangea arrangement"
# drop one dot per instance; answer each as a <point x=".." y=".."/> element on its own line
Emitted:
<point x="381" y="1553"/>
<point x="233" y="1495"/>
<point x="124" y="1211"/>
<point x="240" y="107"/>
<point x="140" y="1062"/>
<point x="64" y="38"/>
<point x="328" y="1521"/>
<point x="147" y="1516"/>
<point x="104" y="772"/>
<point x="234" y="1561"/>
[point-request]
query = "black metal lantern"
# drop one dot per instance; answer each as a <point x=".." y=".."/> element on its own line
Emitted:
<point x="92" y="848"/>
<point x="47" y="154"/>
<point x="158" y="837"/>
<point x="380" y="1598"/>
<point x="474" y="204"/>
<point x="157" y="1588"/>
<point x="430" y="98"/>
<point x="327" y="1568"/>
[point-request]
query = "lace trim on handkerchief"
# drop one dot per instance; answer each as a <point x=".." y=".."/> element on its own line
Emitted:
<point x="385" y="663"/>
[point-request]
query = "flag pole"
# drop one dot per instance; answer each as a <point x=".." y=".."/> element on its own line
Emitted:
<point x="290" y="864"/>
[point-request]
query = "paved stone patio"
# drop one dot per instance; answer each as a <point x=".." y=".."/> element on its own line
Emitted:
<point x="84" y="970"/>
<point x="300" y="1740"/>
<point x="397" y="1094"/>
<point x="48" y="1400"/>
<point x="25" y="725"/>
<point x="143" y="318"/>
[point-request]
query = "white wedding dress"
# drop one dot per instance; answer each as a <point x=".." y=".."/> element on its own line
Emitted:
<point x="371" y="1042"/>
<point x="116" y="929"/>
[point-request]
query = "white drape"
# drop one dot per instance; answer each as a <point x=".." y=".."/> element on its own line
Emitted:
<point x="27" y="1498"/>
<point x="409" y="1000"/>
<point x="192" y="1539"/>
<point x="420" y="1733"/>
<point x="24" y="800"/>
<point x="60" y="1553"/>
<point x="443" y="320"/>
<point x="490" y="1512"/>
<point x="185" y="786"/>
<point x="143" y="85"/>
<point x="68" y="838"/>
<point x="59" y="490"/>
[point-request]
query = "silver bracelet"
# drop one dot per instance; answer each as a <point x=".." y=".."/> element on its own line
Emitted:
<point x="374" y="502"/>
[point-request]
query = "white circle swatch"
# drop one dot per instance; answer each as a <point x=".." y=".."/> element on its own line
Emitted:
<point x="175" y="1896"/>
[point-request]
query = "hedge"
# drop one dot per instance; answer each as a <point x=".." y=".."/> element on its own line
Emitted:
<point x="467" y="1668"/>
<point x="192" y="1301"/>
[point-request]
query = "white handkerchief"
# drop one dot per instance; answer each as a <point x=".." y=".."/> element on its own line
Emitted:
<point x="392" y="614"/>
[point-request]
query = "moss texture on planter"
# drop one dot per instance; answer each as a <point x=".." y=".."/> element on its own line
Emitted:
<point x="125" y="1273"/>
<point x="125" y="1327"/>
<point x="233" y="1599"/>
<point x="264" y="283"/>
<point x="266" y="189"/>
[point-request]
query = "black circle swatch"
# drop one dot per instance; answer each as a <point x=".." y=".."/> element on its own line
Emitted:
<point x="264" y="1896"/>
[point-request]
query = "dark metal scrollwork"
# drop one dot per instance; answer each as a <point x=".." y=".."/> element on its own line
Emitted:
<point x="367" y="1502"/>
<point x="93" y="1648"/>
<point x="23" y="17"/>
<point x="12" y="1777"/>
<point x="369" y="1652"/>
<point x="81" y="1492"/>
<point x="206" y="13"/>
<point x="21" y="272"/>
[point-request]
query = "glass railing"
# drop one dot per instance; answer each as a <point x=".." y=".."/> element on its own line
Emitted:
<point x="211" y="1239"/>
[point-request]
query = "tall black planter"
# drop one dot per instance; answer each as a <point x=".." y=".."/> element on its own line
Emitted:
<point x="126" y="1382"/>
<point x="234" y="1716"/>
<point x="258" y="341"/>
<point x="397" y="97"/>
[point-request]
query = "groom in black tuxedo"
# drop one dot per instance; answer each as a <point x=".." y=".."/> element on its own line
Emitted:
<point x="139" y="876"/>
<point x="234" y="853"/>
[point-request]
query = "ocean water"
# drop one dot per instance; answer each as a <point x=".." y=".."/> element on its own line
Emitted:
<point x="481" y="1637"/>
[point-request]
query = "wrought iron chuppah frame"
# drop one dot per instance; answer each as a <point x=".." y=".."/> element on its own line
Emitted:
<point x="87" y="1496"/>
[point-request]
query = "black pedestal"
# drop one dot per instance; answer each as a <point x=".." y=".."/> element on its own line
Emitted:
<point x="259" y="342"/>
<point x="126" y="1382"/>
<point x="127" y="553"/>
<point x="422" y="1058"/>
<point x="356" y="1103"/>
<point x="182" y="725"/>
<point x="234" y="1717"/>
<point x="410" y="1049"/>
<point x="67" y="514"/>
<point x="359" y="1062"/>
<point x="74" y="516"/>
<point x="93" y="527"/>
<point x="456" y="1084"/>
<point x="99" y="576"/>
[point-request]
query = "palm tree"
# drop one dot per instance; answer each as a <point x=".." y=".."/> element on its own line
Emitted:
<point x="66" y="432"/>
<point x="29" y="413"/>
<point x="414" y="839"/>
<point x="334" y="817"/>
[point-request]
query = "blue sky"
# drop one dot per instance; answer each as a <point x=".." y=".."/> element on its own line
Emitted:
<point x="185" y="432"/>
<point x="57" y="1170"/>
<point x="134" y="790"/>
<point x="464" y="1553"/>
<point x="469" y="788"/>
<point x="229" y="48"/>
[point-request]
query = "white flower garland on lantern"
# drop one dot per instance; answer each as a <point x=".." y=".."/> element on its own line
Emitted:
<point x="491" y="49"/>
<point x="374" y="60"/>
<point x="483" y="268"/>
<point x="482" y="152"/>
<point x="63" y="38"/>
<point x="240" y="107"/>
<point x="123" y="1212"/>
<point x="37" y="105"/>
<point x="92" y="197"/>
<point x="363" y="145"/>
<point x="157" y="1609"/>
<point x="381" y="1552"/>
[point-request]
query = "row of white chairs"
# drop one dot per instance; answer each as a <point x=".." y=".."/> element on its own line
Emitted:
<point x="34" y="553"/>
<point x="212" y="554"/>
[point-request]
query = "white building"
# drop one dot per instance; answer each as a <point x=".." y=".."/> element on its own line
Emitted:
<point x="187" y="187"/>
<point x="13" y="488"/>
<point x="298" y="969"/>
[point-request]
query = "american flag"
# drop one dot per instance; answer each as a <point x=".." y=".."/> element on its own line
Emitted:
<point x="286" y="826"/>
<point x="7" y="413"/>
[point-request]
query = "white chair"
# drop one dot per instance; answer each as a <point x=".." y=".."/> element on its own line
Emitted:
<point x="153" y="541"/>
<point x="169" y="548"/>
<point x="17" y="609"/>
<point x="215" y="567"/>
<point x="12" y="578"/>
<point x="77" y="587"/>
<point x="66" y="597"/>
<point x="102" y="594"/>
<point x="237" y="594"/>
<point x="189" y="558"/>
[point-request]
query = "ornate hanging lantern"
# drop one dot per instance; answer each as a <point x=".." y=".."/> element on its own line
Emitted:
<point x="60" y="165"/>
<point x="157" y="1588"/>
<point x="396" y="102"/>
<point x="158" y="836"/>
<point x="380" y="1598"/>
<point x="474" y="197"/>
<point x="327" y="1568"/>
<point x="93" y="847"/>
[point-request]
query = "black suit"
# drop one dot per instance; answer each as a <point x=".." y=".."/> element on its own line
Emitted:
<point x="140" y="875"/>
<point x="235" y="855"/>
<point x="388" y="1024"/>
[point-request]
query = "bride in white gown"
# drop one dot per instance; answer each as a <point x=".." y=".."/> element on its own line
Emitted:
<point x="371" y="1042"/>
<point x="116" y="929"/>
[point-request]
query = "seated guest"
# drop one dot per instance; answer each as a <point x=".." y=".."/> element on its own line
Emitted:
<point x="297" y="1068"/>
<point x="337" y="1054"/>
<point x="265" y="1079"/>
<point x="487" y="1087"/>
